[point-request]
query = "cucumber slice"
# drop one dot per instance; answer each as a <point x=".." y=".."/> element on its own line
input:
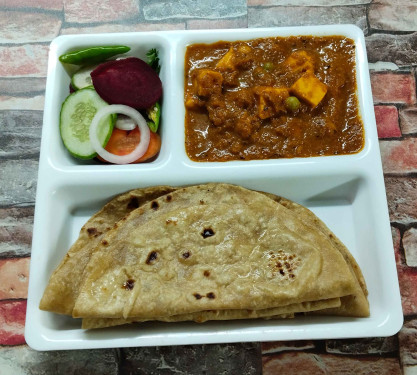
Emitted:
<point x="81" y="78"/>
<point x="77" y="112"/>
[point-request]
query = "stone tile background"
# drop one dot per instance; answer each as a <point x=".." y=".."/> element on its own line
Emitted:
<point x="26" y="29"/>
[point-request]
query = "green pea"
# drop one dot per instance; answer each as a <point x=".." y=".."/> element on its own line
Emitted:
<point x="268" y="66"/>
<point x="292" y="103"/>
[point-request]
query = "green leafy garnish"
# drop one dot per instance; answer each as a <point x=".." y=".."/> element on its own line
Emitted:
<point x="153" y="59"/>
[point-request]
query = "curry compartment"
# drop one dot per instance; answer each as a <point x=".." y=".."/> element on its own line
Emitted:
<point x="270" y="98"/>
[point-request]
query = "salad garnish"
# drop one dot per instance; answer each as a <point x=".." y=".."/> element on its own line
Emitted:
<point x="140" y="149"/>
<point x="92" y="55"/>
<point x="123" y="100"/>
<point x="153" y="60"/>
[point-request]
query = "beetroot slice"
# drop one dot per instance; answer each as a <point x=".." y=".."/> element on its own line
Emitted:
<point x="129" y="81"/>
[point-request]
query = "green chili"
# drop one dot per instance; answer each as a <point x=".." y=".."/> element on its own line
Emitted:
<point x="92" y="55"/>
<point x="154" y="115"/>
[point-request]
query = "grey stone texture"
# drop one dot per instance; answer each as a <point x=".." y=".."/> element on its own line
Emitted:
<point x="22" y="86"/>
<point x="408" y="343"/>
<point x="393" y="15"/>
<point x="19" y="179"/>
<point x="410" y="247"/>
<point x="376" y="345"/>
<point x="16" y="224"/>
<point x="304" y="16"/>
<point x="185" y="9"/>
<point x="21" y="360"/>
<point x="242" y="359"/>
<point x="20" y="134"/>
<point x="402" y="199"/>
<point x="400" y="49"/>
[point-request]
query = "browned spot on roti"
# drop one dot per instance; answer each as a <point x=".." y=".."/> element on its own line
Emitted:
<point x="211" y="295"/>
<point x="197" y="296"/>
<point x="93" y="232"/>
<point x="154" y="205"/>
<point x="128" y="284"/>
<point x="186" y="255"/>
<point x="169" y="198"/>
<point x="207" y="232"/>
<point x="133" y="203"/>
<point x="105" y="242"/>
<point x="206" y="273"/>
<point x="152" y="256"/>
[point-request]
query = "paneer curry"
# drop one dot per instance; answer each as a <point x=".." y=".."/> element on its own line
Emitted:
<point x="271" y="98"/>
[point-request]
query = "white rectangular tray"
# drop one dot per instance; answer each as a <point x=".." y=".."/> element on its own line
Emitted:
<point x="347" y="192"/>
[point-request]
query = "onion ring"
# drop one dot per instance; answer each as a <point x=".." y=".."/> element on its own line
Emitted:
<point x="140" y="149"/>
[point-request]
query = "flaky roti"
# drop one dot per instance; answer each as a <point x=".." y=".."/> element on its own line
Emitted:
<point x="146" y="252"/>
<point x="62" y="301"/>
<point x="355" y="304"/>
<point x="284" y="312"/>
<point x="351" y="305"/>
<point x="62" y="289"/>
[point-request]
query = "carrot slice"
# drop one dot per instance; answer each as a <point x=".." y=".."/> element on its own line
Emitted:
<point x="123" y="142"/>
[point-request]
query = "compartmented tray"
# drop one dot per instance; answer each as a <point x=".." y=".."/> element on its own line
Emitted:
<point x="346" y="192"/>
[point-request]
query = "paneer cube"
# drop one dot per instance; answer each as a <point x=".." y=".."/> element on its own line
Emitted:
<point x="193" y="103"/>
<point x="207" y="82"/>
<point x="235" y="58"/>
<point x="227" y="61"/>
<point x="310" y="89"/>
<point x="271" y="101"/>
<point x="300" y="61"/>
<point x="244" y="56"/>
<point x="244" y="49"/>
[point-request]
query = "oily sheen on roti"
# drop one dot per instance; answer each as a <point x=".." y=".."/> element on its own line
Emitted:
<point x="63" y="287"/>
<point x="163" y="251"/>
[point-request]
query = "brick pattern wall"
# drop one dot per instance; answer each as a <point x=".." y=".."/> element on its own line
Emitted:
<point x="27" y="27"/>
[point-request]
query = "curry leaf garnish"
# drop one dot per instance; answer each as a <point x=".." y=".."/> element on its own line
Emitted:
<point x="153" y="59"/>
